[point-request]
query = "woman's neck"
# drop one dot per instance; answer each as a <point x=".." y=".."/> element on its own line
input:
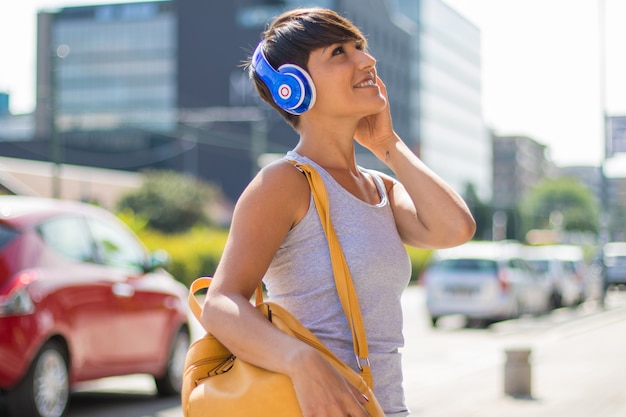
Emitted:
<point x="331" y="145"/>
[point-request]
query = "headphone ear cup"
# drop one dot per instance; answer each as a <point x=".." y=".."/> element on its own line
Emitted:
<point x="291" y="87"/>
<point x="296" y="92"/>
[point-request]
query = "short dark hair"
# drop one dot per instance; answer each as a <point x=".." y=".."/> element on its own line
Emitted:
<point x="292" y="36"/>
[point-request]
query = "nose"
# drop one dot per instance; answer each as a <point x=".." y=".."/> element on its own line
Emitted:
<point x="366" y="60"/>
<point x="370" y="60"/>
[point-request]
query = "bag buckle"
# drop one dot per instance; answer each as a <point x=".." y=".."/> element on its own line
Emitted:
<point x="359" y="362"/>
<point x="220" y="369"/>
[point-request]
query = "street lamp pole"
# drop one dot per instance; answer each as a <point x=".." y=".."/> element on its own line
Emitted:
<point x="249" y="114"/>
<point x="62" y="51"/>
<point x="604" y="191"/>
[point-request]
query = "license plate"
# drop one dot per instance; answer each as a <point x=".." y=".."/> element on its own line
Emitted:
<point x="461" y="291"/>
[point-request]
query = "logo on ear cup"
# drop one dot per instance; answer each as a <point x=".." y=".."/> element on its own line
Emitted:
<point x="284" y="91"/>
<point x="291" y="86"/>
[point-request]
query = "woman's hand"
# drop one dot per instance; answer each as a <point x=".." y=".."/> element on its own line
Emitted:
<point x="323" y="392"/>
<point x="427" y="211"/>
<point x="376" y="129"/>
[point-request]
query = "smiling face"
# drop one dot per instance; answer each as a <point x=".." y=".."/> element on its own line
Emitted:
<point x="344" y="75"/>
<point x="295" y="35"/>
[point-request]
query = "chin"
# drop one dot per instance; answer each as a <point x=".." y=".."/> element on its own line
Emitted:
<point x="382" y="104"/>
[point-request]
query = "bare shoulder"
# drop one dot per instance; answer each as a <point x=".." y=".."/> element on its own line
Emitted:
<point x="279" y="188"/>
<point x="265" y="212"/>
<point x="279" y="179"/>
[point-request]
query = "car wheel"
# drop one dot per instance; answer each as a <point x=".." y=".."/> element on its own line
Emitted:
<point x="517" y="310"/>
<point x="580" y="299"/>
<point x="556" y="301"/>
<point x="44" y="391"/>
<point x="171" y="381"/>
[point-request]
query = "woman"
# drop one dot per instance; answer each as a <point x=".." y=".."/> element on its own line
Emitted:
<point x="276" y="235"/>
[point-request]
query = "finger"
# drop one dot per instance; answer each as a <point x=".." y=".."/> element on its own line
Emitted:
<point x="382" y="85"/>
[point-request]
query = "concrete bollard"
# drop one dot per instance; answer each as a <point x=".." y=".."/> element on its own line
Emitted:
<point x="517" y="373"/>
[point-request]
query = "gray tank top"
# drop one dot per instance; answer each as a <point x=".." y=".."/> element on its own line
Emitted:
<point x="300" y="278"/>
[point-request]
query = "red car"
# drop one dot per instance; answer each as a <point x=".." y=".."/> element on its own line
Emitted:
<point x="80" y="299"/>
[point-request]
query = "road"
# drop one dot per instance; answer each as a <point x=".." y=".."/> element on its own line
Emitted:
<point x="453" y="371"/>
<point x="447" y="369"/>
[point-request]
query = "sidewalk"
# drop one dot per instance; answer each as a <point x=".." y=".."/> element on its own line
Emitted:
<point x="580" y="371"/>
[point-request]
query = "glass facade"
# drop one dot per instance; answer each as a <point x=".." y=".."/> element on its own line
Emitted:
<point x="114" y="67"/>
<point x="446" y="94"/>
<point x="455" y="142"/>
<point x="254" y="14"/>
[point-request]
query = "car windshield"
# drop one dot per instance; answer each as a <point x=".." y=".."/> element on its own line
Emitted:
<point x="615" y="260"/>
<point x="477" y="265"/>
<point x="6" y="235"/>
<point x="540" y="266"/>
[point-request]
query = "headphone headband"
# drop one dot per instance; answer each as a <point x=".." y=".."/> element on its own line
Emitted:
<point x="291" y="86"/>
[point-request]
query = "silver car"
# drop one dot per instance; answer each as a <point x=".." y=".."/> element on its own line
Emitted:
<point x="483" y="281"/>
<point x="564" y="269"/>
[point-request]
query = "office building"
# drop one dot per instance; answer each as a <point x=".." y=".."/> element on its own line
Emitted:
<point x="519" y="163"/>
<point x="446" y="93"/>
<point x="160" y="84"/>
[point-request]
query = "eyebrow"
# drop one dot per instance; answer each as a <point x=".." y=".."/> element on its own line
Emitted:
<point x="341" y="42"/>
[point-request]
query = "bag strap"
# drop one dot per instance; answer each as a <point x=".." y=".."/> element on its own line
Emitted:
<point x="341" y="272"/>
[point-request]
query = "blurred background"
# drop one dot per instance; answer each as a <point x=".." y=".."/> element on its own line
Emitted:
<point x="519" y="105"/>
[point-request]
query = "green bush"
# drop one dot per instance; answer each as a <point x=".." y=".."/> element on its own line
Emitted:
<point x="169" y="201"/>
<point x="197" y="252"/>
<point x="419" y="259"/>
<point x="193" y="254"/>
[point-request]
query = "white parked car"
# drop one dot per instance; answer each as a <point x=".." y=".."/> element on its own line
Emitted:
<point x="564" y="270"/>
<point x="483" y="281"/>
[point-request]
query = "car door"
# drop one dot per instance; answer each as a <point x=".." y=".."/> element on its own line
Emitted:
<point x="142" y="309"/>
<point x="537" y="293"/>
<point x="523" y="284"/>
<point x="82" y="291"/>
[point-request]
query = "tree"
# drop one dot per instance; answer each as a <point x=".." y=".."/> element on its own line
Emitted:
<point x="560" y="203"/>
<point x="481" y="212"/>
<point x="169" y="201"/>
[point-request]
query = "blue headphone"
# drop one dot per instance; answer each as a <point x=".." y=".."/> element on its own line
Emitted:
<point x="291" y="86"/>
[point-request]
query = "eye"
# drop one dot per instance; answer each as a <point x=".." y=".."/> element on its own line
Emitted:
<point x="338" y="50"/>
